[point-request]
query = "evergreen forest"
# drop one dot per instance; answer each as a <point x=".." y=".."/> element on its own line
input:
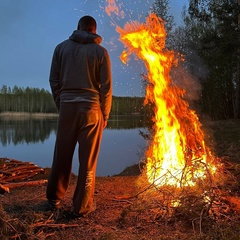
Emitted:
<point x="35" y="100"/>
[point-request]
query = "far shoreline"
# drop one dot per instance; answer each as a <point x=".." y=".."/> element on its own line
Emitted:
<point x="27" y="115"/>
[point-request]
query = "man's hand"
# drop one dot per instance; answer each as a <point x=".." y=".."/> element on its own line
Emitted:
<point x="104" y="124"/>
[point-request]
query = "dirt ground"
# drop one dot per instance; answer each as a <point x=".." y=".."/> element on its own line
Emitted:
<point x="123" y="210"/>
<point x="118" y="216"/>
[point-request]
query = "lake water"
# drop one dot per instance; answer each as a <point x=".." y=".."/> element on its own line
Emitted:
<point x="33" y="139"/>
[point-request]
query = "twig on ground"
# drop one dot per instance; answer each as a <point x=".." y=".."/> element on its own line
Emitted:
<point x="54" y="225"/>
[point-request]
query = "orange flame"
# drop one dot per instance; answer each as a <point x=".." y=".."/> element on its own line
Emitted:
<point x="177" y="155"/>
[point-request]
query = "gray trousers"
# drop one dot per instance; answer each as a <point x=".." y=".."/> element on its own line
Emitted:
<point x="80" y="123"/>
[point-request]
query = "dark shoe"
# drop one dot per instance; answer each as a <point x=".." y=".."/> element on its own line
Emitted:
<point x="77" y="216"/>
<point x="53" y="204"/>
<point x="82" y="215"/>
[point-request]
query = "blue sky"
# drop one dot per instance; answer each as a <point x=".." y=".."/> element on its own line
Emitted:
<point x="30" y="30"/>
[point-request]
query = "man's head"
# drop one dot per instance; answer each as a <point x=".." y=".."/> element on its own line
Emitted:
<point x="87" y="23"/>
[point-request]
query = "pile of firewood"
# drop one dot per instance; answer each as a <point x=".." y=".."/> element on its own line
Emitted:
<point x="14" y="173"/>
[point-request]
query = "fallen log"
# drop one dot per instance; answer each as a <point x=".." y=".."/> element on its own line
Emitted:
<point x="7" y="165"/>
<point x="3" y="189"/>
<point x="4" y="165"/>
<point x="20" y="177"/>
<point x="22" y="168"/>
<point x="7" y="173"/>
<point x="6" y="187"/>
<point x="10" y="160"/>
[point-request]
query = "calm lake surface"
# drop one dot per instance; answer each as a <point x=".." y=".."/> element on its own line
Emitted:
<point x="33" y="139"/>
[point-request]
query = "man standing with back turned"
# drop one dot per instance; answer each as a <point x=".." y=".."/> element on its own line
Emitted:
<point x="81" y="84"/>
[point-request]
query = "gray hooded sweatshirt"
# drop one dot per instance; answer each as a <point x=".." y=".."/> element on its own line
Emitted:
<point x="81" y="71"/>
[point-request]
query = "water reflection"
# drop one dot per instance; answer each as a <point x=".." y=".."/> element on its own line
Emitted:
<point x="29" y="130"/>
<point x="32" y="130"/>
<point x="32" y="139"/>
<point x="126" y="122"/>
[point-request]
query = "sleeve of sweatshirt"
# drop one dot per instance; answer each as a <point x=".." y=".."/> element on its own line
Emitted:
<point x="106" y="85"/>
<point x="54" y="79"/>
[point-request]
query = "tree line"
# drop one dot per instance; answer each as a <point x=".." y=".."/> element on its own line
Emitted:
<point x="31" y="100"/>
<point x="214" y="36"/>
<point x="35" y="100"/>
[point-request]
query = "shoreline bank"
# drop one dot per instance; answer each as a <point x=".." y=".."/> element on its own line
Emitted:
<point x="27" y="115"/>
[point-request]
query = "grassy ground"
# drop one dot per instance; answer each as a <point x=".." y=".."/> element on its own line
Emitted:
<point x="127" y="208"/>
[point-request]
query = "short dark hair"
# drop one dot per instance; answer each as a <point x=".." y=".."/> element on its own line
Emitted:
<point x="87" y="23"/>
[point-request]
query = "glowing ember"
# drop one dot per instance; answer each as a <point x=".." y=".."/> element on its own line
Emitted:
<point x="177" y="155"/>
<point x="113" y="8"/>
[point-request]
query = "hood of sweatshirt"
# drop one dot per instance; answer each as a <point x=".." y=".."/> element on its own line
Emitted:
<point x="85" y="37"/>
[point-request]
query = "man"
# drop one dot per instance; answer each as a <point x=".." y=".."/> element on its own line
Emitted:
<point x="81" y="84"/>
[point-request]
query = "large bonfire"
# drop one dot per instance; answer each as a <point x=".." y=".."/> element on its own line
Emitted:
<point x="177" y="155"/>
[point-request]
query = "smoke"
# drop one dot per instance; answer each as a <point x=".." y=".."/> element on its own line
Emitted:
<point x="184" y="80"/>
<point x="196" y="65"/>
